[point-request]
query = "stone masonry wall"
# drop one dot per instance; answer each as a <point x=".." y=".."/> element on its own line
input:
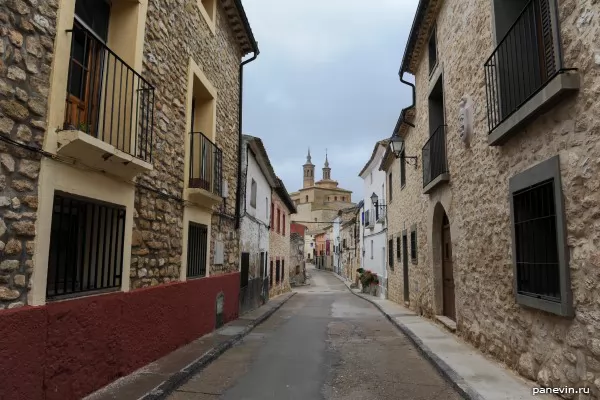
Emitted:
<point x="176" y="31"/>
<point x="555" y="351"/>
<point x="27" y="32"/>
<point x="279" y="248"/>
<point x="297" y="269"/>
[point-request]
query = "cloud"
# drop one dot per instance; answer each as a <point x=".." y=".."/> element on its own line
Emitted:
<point x="327" y="77"/>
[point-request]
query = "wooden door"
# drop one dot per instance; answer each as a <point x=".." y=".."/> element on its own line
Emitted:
<point x="405" y="266"/>
<point x="448" y="274"/>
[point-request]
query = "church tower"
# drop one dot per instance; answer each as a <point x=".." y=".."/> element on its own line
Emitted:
<point x="326" y="169"/>
<point x="309" y="172"/>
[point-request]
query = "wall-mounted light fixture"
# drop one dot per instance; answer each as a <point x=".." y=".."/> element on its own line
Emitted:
<point x="397" y="147"/>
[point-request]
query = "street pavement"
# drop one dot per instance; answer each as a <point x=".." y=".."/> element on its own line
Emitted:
<point x="324" y="343"/>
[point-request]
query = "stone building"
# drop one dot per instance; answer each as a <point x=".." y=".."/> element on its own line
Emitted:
<point x="297" y="262"/>
<point x="282" y="208"/>
<point x="493" y="226"/>
<point x="350" y="242"/>
<point x="317" y="203"/>
<point x="119" y="155"/>
<point x="259" y="180"/>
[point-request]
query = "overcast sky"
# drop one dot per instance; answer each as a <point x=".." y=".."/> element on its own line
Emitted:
<point x="326" y="77"/>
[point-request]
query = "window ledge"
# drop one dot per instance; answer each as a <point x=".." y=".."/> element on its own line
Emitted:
<point x="445" y="177"/>
<point x="98" y="154"/>
<point x="557" y="89"/>
<point x="562" y="309"/>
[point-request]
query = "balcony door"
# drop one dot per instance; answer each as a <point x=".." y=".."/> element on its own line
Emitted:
<point x="525" y="57"/>
<point x="89" y="36"/>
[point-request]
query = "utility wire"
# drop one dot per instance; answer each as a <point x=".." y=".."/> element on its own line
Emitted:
<point x="75" y="163"/>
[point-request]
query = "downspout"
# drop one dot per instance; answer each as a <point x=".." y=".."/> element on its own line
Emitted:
<point x="240" y="117"/>
<point x="414" y="98"/>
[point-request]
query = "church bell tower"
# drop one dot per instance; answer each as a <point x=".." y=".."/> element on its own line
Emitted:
<point x="309" y="172"/>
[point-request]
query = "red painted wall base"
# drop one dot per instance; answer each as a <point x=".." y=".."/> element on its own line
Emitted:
<point x="66" y="350"/>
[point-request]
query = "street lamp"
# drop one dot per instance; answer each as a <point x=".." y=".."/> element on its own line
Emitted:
<point x="375" y="200"/>
<point x="397" y="147"/>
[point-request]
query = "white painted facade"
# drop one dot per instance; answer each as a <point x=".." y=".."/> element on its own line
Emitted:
<point x="373" y="230"/>
<point x="337" y="266"/>
<point x="254" y="226"/>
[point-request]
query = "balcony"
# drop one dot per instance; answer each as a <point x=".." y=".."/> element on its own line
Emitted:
<point x="435" y="165"/>
<point x="108" y="121"/>
<point x="206" y="171"/>
<point x="524" y="75"/>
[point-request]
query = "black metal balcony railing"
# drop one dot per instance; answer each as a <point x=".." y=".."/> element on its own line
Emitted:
<point x="523" y="62"/>
<point x="206" y="164"/>
<point x="434" y="156"/>
<point x="106" y="98"/>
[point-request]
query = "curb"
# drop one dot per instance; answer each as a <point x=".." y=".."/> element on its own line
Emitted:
<point x="179" y="378"/>
<point x="447" y="372"/>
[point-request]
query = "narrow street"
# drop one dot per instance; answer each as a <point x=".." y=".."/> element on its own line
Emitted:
<point x="324" y="343"/>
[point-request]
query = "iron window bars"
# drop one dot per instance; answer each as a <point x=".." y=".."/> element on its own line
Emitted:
<point x="197" y="250"/>
<point x="86" y="246"/>
<point x="106" y="98"/>
<point x="206" y="164"/>
<point x="540" y="252"/>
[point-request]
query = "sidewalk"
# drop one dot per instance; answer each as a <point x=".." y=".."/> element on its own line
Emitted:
<point x="158" y="379"/>
<point x="472" y="374"/>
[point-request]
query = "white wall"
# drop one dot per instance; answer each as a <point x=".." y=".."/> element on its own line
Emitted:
<point x="374" y="239"/>
<point x="254" y="234"/>
<point x="336" y="235"/>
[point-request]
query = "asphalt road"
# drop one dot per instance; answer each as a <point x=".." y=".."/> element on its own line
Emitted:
<point x="324" y="343"/>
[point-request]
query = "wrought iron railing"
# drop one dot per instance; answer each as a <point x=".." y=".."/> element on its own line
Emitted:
<point x="524" y="61"/>
<point x="106" y="98"/>
<point x="206" y="164"/>
<point x="434" y="156"/>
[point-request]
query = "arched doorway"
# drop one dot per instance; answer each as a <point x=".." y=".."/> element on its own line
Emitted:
<point x="449" y="303"/>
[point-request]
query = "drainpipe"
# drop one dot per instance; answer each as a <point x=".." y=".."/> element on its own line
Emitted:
<point x="414" y="97"/>
<point x="240" y="115"/>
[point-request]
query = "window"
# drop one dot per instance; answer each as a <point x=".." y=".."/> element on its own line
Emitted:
<point x="278" y="220"/>
<point x="391" y="253"/>
<point x="335" y="199"/>
<point x="526" y="58"/>
<point x="539" y="242"/>
<point x="432" y="51"/>
<point x="205" y="158"/>
<point x="413" y="245"/>
<point x="208" y="9"/>
<point x="271" y="275"/>
<point x="344" y="244"/>
<point x="272" y="215"/>
<point x="86" y="246"/>
<point x="402" y="169"/>
<point x="398" y="247"/>
<point x="282" y="270"/>
<point x="277" y="272"/>
<point x="390" y="181"/>
<point x="253" y="194"/>
<point x="197" y="250"/>
<point x="307" y="199"/>
<point x="371" y="249"/>
<point x="283" y="227"/>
